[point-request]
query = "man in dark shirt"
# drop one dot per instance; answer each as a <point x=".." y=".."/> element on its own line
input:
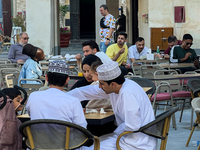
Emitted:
<point x="184" y="54"/>
<point x="15" y="52"/>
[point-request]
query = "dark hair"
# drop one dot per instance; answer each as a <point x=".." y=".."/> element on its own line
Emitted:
<point x="92" y="44"/>
<point x="11" y="92"/>
<point x="172" y="38"/>
<point x="119" y="80"/>
<point x="124" y="34"/>
<point x="139" y="39"/>
<point x="187" y="36"/>
<point x="90" y="59"/>
<point x="94" y="65"/>
<point x="104" y="6"/>
<point x="57" y="79"/>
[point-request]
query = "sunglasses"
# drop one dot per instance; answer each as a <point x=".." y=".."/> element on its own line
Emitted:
<point x="26" y="38"/>
<point x="189" y="44"/>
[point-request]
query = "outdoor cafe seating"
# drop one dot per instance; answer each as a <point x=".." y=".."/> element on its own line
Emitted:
<point x="56" y="134"/>
<point x="154" y="79"/>
<point x="158" y="128"/>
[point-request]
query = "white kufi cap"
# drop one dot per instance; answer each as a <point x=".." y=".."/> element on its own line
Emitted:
<point x="108" y="71"/>
<point x="59" y="66"/>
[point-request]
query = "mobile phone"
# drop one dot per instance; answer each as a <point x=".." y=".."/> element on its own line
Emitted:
<point x="197" y="58"/>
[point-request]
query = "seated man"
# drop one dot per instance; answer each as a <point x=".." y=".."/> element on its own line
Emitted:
<point x="172" y="41"/>
<point x="15" y="53"/>
<point x="53" y="103"/>
<point x="118" y="52"/>
<point x="184" y="54"/>
<point x="90" y="47"/>
<point x="137" y="50"/>
<point x="130" y="104"/>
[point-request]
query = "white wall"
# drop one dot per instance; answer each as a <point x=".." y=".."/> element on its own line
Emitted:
<point x="143" y="27"/>
<point x="98" y="16"/>
<point x="161" y="14"/>
<point x="38" y="23"/>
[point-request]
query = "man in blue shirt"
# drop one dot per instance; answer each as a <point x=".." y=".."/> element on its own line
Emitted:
<point x="15" y="53"/>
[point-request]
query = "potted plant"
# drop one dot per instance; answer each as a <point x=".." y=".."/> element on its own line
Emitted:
<point x="20" y="21"/>
<point x="65" y="32"/>
<point x="65" y="35"/>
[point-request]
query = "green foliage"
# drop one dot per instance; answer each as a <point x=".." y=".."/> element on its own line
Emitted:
<point x="19" y="21"/>
<point x="65" y="30"/>
<point x="64" y="9"/>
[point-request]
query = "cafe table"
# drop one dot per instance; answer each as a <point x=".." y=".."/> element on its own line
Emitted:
<point x="91" y="118"/>
<point x="152" y="61"/>
<point x="187" y="75"/>
<point x="176" y="65"/>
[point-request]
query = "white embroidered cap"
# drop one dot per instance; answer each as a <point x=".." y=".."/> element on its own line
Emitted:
<point x="108" y="71"/>
<point x="58" y="66"/>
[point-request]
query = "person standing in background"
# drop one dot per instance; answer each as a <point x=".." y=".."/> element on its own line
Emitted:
<point x="107" y="26"/>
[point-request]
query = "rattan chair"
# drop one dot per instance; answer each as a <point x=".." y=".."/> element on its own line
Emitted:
<point x="56" y="134"/>
<point x="158" y="128"/>
<point x="196" y="106"/>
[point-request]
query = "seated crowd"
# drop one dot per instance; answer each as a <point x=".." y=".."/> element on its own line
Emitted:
<point x="103" y="83"/>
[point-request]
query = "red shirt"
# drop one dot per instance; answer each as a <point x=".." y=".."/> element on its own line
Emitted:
<point x="167" y="51"/>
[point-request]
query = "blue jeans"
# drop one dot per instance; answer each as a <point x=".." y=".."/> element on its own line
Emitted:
<point x="103" y="47"/>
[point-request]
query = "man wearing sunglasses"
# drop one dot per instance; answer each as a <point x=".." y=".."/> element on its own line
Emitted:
<point x="184" y="54"/>
<point x="15" y="52"/>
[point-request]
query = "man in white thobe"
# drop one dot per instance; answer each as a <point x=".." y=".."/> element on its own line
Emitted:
<point x="53" y="103"/>
<point x="130" y="104"/>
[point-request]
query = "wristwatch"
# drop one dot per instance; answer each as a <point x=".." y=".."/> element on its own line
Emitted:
<point x="108" y="39"/>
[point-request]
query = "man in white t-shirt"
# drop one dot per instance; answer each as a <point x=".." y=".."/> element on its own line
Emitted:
<point x="53" y="103"/>
<point x="91" y="47"/>
<point x="137" y="50"/>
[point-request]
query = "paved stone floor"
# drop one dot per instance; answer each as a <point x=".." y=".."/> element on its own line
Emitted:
<point x="178" y="138"/>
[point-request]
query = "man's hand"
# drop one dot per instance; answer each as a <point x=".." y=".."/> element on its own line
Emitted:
<point x="18" y="61"/>
<point x="128" y="66"/>
<point x="166" y="56"/>
<point x="188" y="54"/>
<point x="121" y="51"/>
<point x="78" y="56"/>
<point x="107" y="42"/>
<point x="196" y="63"/>
<point x="123" y="63"/>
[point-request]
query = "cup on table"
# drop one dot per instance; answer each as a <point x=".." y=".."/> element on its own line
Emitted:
<point x="80" y="74"/>
<point x="84" y="109"/>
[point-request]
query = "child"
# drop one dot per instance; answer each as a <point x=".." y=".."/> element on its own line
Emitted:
<point x="15" y="95"/>
<point x="10" y="137"/>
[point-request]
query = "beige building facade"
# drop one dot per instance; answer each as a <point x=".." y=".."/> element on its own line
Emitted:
<point x="18" y="6"/>
<point x="161" y="15"/>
